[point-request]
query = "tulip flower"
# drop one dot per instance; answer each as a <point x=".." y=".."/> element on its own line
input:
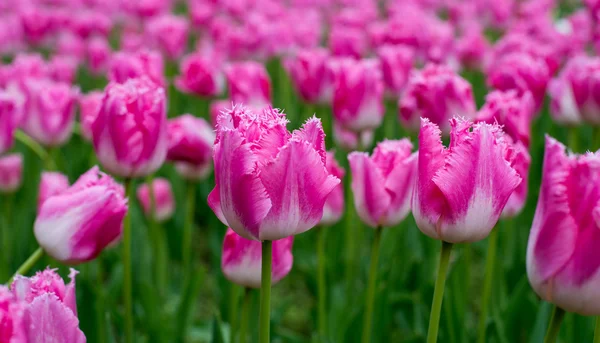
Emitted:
<point x="98" y="54"/>
<point x="8" y="120"/>
<point x="310" y="75"/>
<point x="334" y="205"/>
<point x="216" y="107"/>
<point x="473" y="47"/>
<point x="164" y="202"/>
<point x="169" y="33"/>
<point x="358" y="95"/>
<point x="89" y="107"/>
<point x="349" y="140"/>
<point x="201" y="76"/>
<point x="62" y="69"/>
<point x="11" y="172"/>
<point x="190" y="146"/>
<point x="383" y="183"/>
<point x="49" y="111"/>
<point x="241" y="259"/>
<point x="521" y="163"/>
<point x="124" y="66"/>
<point x="51" y="184"/>
<point x="347" y="41"/>
<point x="249" y="84"/>
<point x="396" y="63"/>
<point x="40" y="309"/>
<point x="436" y="93"/>
<point x="130" y="131"/>
<point x="511" y="110"/>
<point x="90" y="214"/>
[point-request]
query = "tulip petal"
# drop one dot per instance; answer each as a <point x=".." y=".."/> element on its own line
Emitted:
<point x="371" y="199"/>
<point x="297" y="184"/>
<point x="47" y="319"/>
<point x="312" y="131"/>
<point x="400" y="184"/>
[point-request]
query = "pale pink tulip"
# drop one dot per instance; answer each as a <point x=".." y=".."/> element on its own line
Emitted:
<point x="51" y="183"/>
<point x="190" y="146"/>
<point x="11" y="172"/>
<point x="461" y="191"/>
<point x="270" y="183"/>
<point x="563" y="258"/>
<point x="75" y="225"/>
<point x="164" y="202"/>
<point x="383" y="183"/>
<point x="335" y="204"/>
<point x="130" y="131"/>
<point x="241" y="259"/>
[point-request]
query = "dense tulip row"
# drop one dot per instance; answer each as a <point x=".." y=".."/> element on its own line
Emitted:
<point x="287" y="116"/>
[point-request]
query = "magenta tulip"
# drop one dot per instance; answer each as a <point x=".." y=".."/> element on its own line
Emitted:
<point x="383" y="183"/>
<point x="216" y="107"/>
<point x="11" y="172"/>
<point x="436" y="93"/>
<point x="130" y="132"/>
<point x="62" y="69"/>
<point x="168" y="33"/>
<point x="125" y="65"/>
<point x="164" y="202"/>
<point x="200" y="75"/>
<point x="8" y="120"/>
<point x="241" y="259"/>
<point x="249" y="84"/>
<point x="562" y="252"/>
<point x="51" y="184"/>
<point x="310" y="75"/>
<point x="98" y="54"/>
<point x="75" y="225"/>
<point x="270" y="183"/>
<point x="190" y="146"/>
<point x="335" y="204"/>
<point x="89" y="107"/>
<point x="461" y="191"/>
<point x="511" y="110"/>
<point x="521" y="161"/>
<point x="396" y="64"/>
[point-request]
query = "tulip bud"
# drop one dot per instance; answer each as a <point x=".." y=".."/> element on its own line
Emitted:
<point x="75" y="225"/>
<point x="396" y="63"/>
<point x="164" y="202"/>
<point x="125" y="66"/>
<point x="358" y="95"/>
<point x="168" y="33"/>
<point x="190" y="145"/>
<point x="241" y="260"/>
<point x="249" y="84"/>
<point x="436" y="93"/>
<point x="270" y="183"/>
<point x="461" y="191"/>
<point x="562" y="252"/>
<point x="89" y="107"/>
<point x="334" y="205"/>
<point x="511" y="110"/>
<point x="130" y="132"/>
<point x="8" y="120"/>
<point x="11" y="172"/>
<point x="51" y="183"/>
<point x="200" y="76"/>
<point x="310" y="76"/>
<point x="383" y="183"/>
<point x="50" y="111"/>
<point x="349" y="140"/>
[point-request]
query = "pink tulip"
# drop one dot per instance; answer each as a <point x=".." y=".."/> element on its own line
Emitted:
<point x="51" y="183"/>
<point x="310" y="76"/>
<point x="562" y="252"/>
<point x="130" y="132"/>
<point x="98" y="54"/>
<point x="472" y="48"/>
<point x="40" y="309"/>
<point x="145" y="8"/>
<point x="348" y="42"/>
<point x="396" y="63"/>
<point x="241" y="259"/>
<point x="164" y="201"/>
<point x="573" y="93"/>
<point x="75" y="225"/>
<point x="70" y="45"/>
<point x="190" y="145"/>
<point x="383" y="183"/>
<point x="89" y="107"/>
<point x="125" y="66"/>
<point x="49" y="111"/>
<point x="461" y="190"/>
<point x="249" y="84"/>
<point x="8" y="120"/>
<point x="11" y="172"/>
<point x="520" y="163"/>
<point x="334" y="205"/>
<point x="168" y="33"/>
<point x="358" y="95"/>
<point x="270" y="183"/>
<point x="511" y="110"/>
<point x="27" y="66"/>
<point x="201" y="76"/>
<point x="521" y="72"/>
<point x="350" y="140"/>
<point x="436" y="93"/>
<point x="62" y="68"/>
<point x="216" y="107"/>
<point x="91" y="23"/>
<point x="36" y="23"/>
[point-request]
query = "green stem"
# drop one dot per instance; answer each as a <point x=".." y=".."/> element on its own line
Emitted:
<point x="265" y="293"/>
<point x="244" y="317"/>
<point x="554" y="327"/>
<point x="233" y="306"/>
<point x="322" y="265"/>
<point x="100" y="323"/>
<point x="438" y="293"/>
<point x="28" y="264"/>
<point x="368" y="319"/>
<point x="487" y="283"/>
<point x="597" y="331"/>
<point x="6" y="244"/>
<point x="154" y="232"/>
<point x="350" y="235"/>
<point x="573" y="139"/>
<point x="188" y="226"/>
<point x="36" y="148"/>
<point x="127" y="282"/>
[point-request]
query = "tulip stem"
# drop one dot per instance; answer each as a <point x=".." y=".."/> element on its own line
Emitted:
<point x="438" y="293"/>
<point x="36" y="148"/>
<point x="487" y="283"/>
<point x="234" y="302"/>
<point x="28" y="264"/>
<point x="188" y="226"/>
<point x="573" y="139"/>
<point x="154" y="231"/>
<point x="558" y="314"/>
<point x="100" y="327"/>
<point x="597" y="331"/>
<point x="127" y="282"/>
<point x="322" y="264"/>
<point x="265" y="293"/>
<point x="244" y="317"/>
<point x="370" y="299"/>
